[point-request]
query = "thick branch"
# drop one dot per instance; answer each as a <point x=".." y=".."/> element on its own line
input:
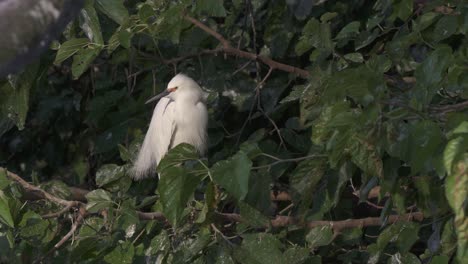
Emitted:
<point x="441" y="110"/>
<point x="228" y="49"/>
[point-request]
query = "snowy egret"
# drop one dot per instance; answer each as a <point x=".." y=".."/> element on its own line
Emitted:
<point x="179" y="117"/>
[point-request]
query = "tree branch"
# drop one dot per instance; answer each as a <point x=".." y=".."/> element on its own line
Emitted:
<point x="283" y="221"/>
<point x="34" y="189"/>
<point x="228" y="49"/>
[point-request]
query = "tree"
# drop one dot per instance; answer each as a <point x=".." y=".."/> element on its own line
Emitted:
<point x="338" y="133"/>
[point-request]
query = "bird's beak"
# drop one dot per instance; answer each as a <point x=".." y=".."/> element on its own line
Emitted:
<point x="159" y="96"/>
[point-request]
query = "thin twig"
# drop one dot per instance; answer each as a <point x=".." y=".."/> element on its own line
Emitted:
<point x="289" y="160"/>
<point x="75" y="224"/>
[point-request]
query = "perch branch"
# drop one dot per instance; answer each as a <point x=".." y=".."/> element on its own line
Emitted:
<point x="228" y="49"/>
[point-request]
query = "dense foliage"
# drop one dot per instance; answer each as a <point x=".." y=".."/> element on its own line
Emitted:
<point x="364" y="120"/>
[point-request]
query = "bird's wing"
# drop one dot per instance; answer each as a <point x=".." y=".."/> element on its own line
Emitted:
<point x="157" y="139"/>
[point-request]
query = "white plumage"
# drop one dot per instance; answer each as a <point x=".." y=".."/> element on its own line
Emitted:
<point x="179" y="117"/>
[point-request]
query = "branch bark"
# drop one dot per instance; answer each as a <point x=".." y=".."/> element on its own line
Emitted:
<point x="230" y="50"/>
<point x="278" y="221"/>
<point x="283" y="221"/>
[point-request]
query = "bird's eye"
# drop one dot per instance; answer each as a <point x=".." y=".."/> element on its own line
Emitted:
<point x="173" y="89"/>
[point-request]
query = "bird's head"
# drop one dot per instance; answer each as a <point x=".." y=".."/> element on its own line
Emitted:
<point x="181" y="87"/>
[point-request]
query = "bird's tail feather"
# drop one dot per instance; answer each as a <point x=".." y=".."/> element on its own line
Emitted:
<point x="146" y="162"/>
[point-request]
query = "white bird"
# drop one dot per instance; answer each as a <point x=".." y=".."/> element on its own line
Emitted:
<point x="179" y="117"/>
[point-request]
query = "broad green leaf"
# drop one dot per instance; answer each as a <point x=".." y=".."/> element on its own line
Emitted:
<point x="439" y="260"/>
<point x="296" y="93"/>
<point x="261" y="248"/>
<point x="113" y="9"/>
<point x="425" y="20"/>
<point x="56" y="188"/>
<point x="176" y="187"/>
<point x="425" y="140"/>
<point x="407" y="257"/>
<point x="314" y="34"/>
<point x="454" y="149"/>
<point x="457" y="193"/>
<point x="98" y="199"/>
<point x="5" y="214"/>
<point x="445" y="27"/>
<point x="89" y="23"/>
<point x="253" y="217"/>
<point x="108" y="173"/>
<point x="403" y="9"/>
<point x="177" y="155"/>
<point x="69" y="48"/>
<point x="320" y="236"/>
<point x="354" y="57"/>
<point x="350" y="30"/>
<point x="219" y="255"/>
<point x="14" y="96"/>
<point x="211" y="7"/>
<point x="366" y="156"/>
<point x="4" y="181"/>
<point x="233" y="174"/>
<point x="296" y="255"/>
<point x="429" y="74"/>
<point x="122" y="253"/>
<point x="83" y="59"/>
<point x="36" y="230"/>
<point x="304" y="179"/>
<point x="159" y="243"/>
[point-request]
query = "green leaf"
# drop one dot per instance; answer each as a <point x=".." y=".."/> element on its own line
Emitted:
<point x="407" y="258"/>
<point x="403" y="9"/>
<point x="69" y="48"/>
<point x="122" y="253"/>
<point x="211" y="8"/>
<point x="320" y="236"/>
<point x="5" y="214"/>
<point x="457" y="193"/>
<point x="98" y="199"/>
<point x="314" y="34"/>
<point x="159" y="243"/>
<point x="108" y="173"/>
<point x="454" y="149"/>
<point x="14" y="96"/>
<point x="296" y="255"/>
<point x="253" y="217"/>
<point x="82" y="60"/>
<point x="429" y="74"/>
<point x="177" y="155"/>
<point x="366" y="156"/>
<point x="233" y="174"/>
<point x="125" y="38"/>
<point x="425" y="140"/>
<point x="296" y="93"/>
<point x="304" y="179"/>
<point x="261" y="248"/>
<point x="89" y="23"/>
<point x="350" y="30"/>
<point x="113" y="9"/>
<point x="4" y="181"/>
<point x="354" y="57"/>
<point x="176" y="187"/>
<point x="445" y="27"/>
<point x="36" y="230"/>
